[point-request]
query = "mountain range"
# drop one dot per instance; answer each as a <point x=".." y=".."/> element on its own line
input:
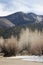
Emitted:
<point x="19" y="19"/>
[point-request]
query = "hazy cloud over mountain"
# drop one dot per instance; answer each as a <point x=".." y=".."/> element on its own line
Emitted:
<point x="10" y="6"/>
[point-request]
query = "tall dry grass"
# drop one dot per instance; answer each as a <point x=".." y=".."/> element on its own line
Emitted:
<point x="29" y="41"/>
<point x="9" y="46"/>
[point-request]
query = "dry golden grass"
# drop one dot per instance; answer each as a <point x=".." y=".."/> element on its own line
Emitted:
<point x="29" y="41"/>
<point x="32" y="41"/>
<point x="9" y="46"/>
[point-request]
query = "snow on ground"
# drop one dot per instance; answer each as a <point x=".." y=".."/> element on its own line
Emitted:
<point x="28" y="58"/>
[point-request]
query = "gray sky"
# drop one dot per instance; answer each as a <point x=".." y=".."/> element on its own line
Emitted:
<point x="11" y="6"/>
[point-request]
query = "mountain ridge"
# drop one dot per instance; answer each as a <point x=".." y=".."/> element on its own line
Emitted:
<point x="20" y="18"/>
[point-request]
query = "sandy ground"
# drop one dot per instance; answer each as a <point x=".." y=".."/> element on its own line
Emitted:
<point x="10" y="61"/>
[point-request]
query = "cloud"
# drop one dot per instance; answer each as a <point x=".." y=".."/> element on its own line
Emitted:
<point x="11" y="6"/>
<point x="3" y="11"/>
<point x="38" y="9"/>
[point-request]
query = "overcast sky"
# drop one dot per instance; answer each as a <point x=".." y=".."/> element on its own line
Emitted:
<point x="11" y="6"/>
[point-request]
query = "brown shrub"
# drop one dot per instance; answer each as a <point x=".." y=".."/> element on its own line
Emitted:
<point x="1" y="43"/>
<point x="37" y="46"/>
<point x="9" y="46"/>
<point x="31" y="41"/>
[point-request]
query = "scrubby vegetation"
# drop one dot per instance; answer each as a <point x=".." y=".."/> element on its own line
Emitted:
<point x="29" y="42"/>
<point x="32" y="41"/>
<point x="8" y="46"/>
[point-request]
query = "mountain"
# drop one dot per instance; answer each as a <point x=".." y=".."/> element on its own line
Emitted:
<point x="5" y="23"/>
<point x="20" y="19"/>
<point x="12" y="24"/>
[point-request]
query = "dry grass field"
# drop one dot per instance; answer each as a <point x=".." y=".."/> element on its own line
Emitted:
<point x="30" y="42"/>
